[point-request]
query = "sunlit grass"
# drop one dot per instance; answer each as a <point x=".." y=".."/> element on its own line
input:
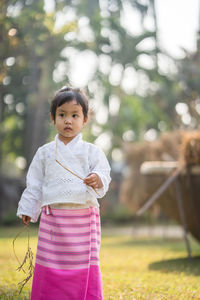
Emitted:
<point x="131" y="268"/>
<point x="149" y="269"/>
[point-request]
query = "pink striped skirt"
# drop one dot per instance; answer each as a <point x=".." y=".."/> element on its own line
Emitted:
<point x="67" y="259"/>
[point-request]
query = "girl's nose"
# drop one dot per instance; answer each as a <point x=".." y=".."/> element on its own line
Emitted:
<point x="68" y="120"/>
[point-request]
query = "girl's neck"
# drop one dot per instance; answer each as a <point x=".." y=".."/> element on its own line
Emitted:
<point x="66" y="140"/>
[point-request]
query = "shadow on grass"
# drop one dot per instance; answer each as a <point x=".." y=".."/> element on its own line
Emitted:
<point x="138" y="242"/>
<point x="10" y="232"/>
<point x="178" y="265"/>
<point x="172" y="244"/>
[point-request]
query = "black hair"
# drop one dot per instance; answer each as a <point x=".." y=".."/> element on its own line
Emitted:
<point x="67" y="94"/>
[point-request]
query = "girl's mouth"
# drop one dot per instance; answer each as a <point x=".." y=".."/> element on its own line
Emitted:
<point x="68" y="129"/>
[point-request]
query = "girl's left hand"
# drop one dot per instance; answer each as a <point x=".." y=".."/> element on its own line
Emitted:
<point x="26" y="220"/>
<point x="94" y="181"/>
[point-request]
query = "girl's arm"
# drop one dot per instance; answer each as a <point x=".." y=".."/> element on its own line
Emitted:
<point x="30" y="203"/>
<point x="99" y="177"/>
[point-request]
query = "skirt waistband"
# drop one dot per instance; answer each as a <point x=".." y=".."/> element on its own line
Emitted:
<point x="49" y="210"/>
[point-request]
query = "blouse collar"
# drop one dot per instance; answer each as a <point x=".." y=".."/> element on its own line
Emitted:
<point x="76" y="139"/>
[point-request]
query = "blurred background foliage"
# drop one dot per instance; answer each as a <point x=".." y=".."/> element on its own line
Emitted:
<point x="132" y="98"/>
<point x="137" y="91"/>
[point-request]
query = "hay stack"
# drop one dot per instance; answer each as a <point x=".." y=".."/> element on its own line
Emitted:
<point x="133" y="191"/>
<point x="190" y="148"/>
<point x="137" y="189"/>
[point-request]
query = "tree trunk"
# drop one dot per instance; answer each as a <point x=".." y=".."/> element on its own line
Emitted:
<point x="37" y="116"/>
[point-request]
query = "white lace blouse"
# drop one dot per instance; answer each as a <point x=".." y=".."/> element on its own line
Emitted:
<point x="49" y="182"/>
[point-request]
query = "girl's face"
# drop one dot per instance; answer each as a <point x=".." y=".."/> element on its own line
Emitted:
<point x="69" y="120"/>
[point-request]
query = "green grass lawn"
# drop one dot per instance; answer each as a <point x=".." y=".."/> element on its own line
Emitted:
<point x="132" y="268"/>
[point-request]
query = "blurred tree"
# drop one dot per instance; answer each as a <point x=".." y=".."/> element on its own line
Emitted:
<point x="129" y="87"/>
<point x="31" y="48"/>
<point x="134" y="94"/>
<point x="189" y="77"/>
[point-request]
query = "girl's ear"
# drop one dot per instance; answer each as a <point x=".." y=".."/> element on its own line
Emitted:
<point x="85" y="120"/>
<point x="52" y="119"/>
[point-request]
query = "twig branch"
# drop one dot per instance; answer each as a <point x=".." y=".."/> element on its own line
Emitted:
<point x="28" y="258"/>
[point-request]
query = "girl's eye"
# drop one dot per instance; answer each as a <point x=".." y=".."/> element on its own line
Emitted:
<point x="75" y="116"/>
<point x="61" y="115"/>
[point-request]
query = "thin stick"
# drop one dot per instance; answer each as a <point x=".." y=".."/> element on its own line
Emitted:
<point x="13" y="243"/>
<point x="71" y="170"/>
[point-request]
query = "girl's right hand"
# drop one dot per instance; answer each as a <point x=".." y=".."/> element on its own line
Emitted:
<point x="26" y="219"/>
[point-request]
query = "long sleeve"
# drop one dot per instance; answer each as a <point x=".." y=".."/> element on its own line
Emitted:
<point x="98" y="164"/>
<point x="31" y="199"/>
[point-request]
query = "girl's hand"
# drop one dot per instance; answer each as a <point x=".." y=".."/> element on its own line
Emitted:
<point x="94" y="181"/>
<point x="26" y="219"/>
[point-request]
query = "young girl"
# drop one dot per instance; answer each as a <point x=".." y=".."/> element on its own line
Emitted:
<point x="64" y="180"/>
